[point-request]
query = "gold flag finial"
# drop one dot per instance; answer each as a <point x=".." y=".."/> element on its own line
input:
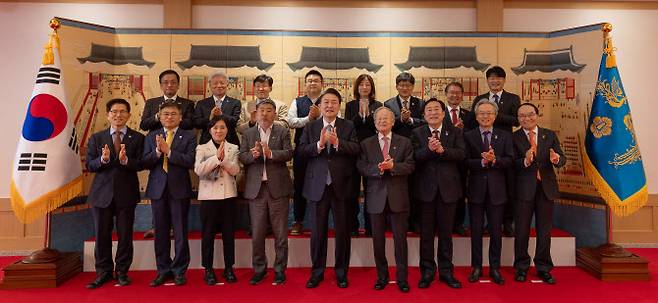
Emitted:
<point x="608" y="49"/>
<point x="48" y="54"/>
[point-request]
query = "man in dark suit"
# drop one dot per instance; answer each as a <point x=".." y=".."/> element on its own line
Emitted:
<point x="439" y="152"/>
<point x="386" y="160"/>
<point x="168" y="155"/>
<point x="114" y="154"/>
<point x="169" y="83"/>
<point x="537" y="150"/>
<point x="330" y="145"/>
<point x="265" y="150"/>
<point x="408" y="115"/>
<point x="462" y="119"/>
<point x="216" y="105"/>
<point x="303" y="110"/>
<point x="489" y="153"/>
<point x="508" y="104"/>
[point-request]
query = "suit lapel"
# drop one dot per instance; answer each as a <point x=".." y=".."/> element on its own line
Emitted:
<point x="395" y="106"/>
<point x="395" y="143"/>
<point x="377" y="150"/>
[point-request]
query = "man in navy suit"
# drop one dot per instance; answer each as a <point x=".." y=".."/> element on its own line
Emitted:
<point x="216" y="105"/>
<point x="331" y="147"/>
<point x="114" y="154"/>
<point x="537" y="150"/>
<point x="508" y="104"/>
<point x="169" y="154"/>
<point x="439" y="152"/>
<point x="489" y="153"/>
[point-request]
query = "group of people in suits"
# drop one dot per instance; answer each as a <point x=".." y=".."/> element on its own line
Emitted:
<point x="418" y="161"/>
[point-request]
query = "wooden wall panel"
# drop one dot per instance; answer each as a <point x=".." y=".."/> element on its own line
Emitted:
<point x="15" y="236"/>
<point x="638" y="228"/>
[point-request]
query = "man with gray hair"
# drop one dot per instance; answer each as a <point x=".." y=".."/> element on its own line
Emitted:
<point x="216" y="105"/>
<point x="489" y="153"/>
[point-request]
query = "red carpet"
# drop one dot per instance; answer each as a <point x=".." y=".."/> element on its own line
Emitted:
<point x="574" y="285"/>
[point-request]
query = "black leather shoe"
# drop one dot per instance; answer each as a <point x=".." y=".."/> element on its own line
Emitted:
<point x="229" y="275"/>
<point x="279" y="277"/>
<point x="403" y="286"/>
<point x="520" y="276"/>
<point x="380" y="284"/>
<point x="257" y="278"/>
<point x="459" y="230"/>
<point x="123" y="279"/>
<point x="496" y="277"/>
<point x="450" y="281"/>
<point x="209" y="277"/>
<point x="546" y="277"/>
<point x="180" y="280"/>
<point x="161" y="279"/>
<point x="314" y="281"/>
<point x="425" y="281"/>
<point x="475" y="275"/>
<point x="100" y="280"/>
<point x="342" y="282"/>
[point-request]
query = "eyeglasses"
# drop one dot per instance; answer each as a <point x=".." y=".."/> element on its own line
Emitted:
<point x="530" y="115"/>
<point x="313" y="81"/>
<point x="169" y="114"/>
<point x="486" y="113"/>
<point x="118" y="112"/>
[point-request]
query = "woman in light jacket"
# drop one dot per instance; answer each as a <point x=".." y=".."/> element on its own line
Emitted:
<point x="217" y="164"/>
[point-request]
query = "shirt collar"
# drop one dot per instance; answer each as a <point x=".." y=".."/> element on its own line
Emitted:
<point x="325" y="123"/>
<point x="175" y="130"/>
<point x="439" y="129"/>
<point x="450" y="108"/>
<point x="482" y="130"/>
<point x="122" y="130"/>
<point x="218" y="100"/>
<point x="172" y="98"/>
<point x="499" y="94"/>
<point x="536" y="130"/>
<point x="381" y="136"/>
<point x="403" y="99"/>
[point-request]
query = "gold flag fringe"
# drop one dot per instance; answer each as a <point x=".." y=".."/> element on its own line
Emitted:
<point x="619" y="207"/>
<point x="26" y="213"/>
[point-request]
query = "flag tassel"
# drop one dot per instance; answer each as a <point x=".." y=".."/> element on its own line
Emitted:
<point x="46" y="203"/>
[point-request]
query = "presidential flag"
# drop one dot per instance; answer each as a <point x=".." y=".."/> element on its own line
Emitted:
<point x="612" y="157"/>
<point x="46" y="170"/>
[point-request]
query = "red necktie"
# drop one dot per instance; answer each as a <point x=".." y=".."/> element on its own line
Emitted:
<point x="117" y="141"/>
<point x="385" y="148"/>
<point x="455" y="120"/>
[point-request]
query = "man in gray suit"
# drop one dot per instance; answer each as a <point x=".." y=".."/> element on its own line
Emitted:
<point x="386" y="161"/>
<point x="264" y="151"/>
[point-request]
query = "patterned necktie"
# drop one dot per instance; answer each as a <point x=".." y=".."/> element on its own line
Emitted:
<point x="533" y="145"/>
<point x="169" y="140"/>
<point x="486" y="140"/>
<point x="455" y="120"/>
<point x="435" y="134"/>
<point x="405" y="104"/>
<point x="496" y="100"/>
<point x="116" y="139"/>
<point x="385" y="148"/>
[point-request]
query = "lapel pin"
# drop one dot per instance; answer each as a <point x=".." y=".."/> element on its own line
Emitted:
<point x="496" y="137"/>
<point x="543" y="136"/>
<point x="446" y="132"/>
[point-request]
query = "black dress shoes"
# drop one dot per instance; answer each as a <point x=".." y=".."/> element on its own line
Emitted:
<point x="546" y="277"/>
<point x="314" y="281"/>
<point x="403" y="286"/>
<point x="257" y="278"/>
<point x="229" y="275"/>
<point x="342" y="282"/>
<point x="381" y="284"/>
<point x="496" y="277"/>
<point x="100" y="280"/>
<point x="123" y="279"/>
<point x="161" y="279"/>
<point x="475" y="275"/>
<point x="450" y="281"/>
<point x="520" y="276"/>
<point x="180" y="280"/>
<point x="279" y="277"/>
<point x="425" y="281"/>
<point x="209" y="277"/>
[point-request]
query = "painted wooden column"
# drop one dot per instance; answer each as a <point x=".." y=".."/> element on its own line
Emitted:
<point x="177" y="13"/>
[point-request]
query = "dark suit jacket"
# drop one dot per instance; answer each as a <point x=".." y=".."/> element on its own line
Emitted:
<point x="527" y="176"/>
<point x="340" y="162"/>
<point x="491" y="178"/>
<point x="114" y="181"/>
<point x="392" y="186"/>
<point x="364" y="129"/>
<point x="441" y="169"/>
<point x="181" y="160"/>
<point x="230" y="109"/>
<point x="278" y="175"/>
<point x="507" y="111"/>
<point x="152" y="106"/>
<point x="467" y="117"/>
<point x="416" y="108"/>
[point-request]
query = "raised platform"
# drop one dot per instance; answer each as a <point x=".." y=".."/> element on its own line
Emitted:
<point x="563" y="250"/>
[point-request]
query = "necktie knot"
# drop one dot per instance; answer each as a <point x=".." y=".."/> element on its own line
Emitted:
<point x="435" y="134"/>
<point x="496" y="99"/>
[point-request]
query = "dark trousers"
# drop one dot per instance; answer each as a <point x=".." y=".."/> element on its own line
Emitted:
<point x="264" y="211"/>
<point x="299" y="202"/>
<point x="103" y="226"/>
<point x="460" y="212"/>
<point x="494" y="215"/>
<point x="169" y="212"/>
<point x="414" y="207"/>
<point x="399" y="227"/>
<point x="542" y="208"/>
<point x="217" y="216"/>
<point x="436" y="217"/>
<point x="354" y="203"/>
<point x="510" y="206"/>
<point x="319" y="233"/>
